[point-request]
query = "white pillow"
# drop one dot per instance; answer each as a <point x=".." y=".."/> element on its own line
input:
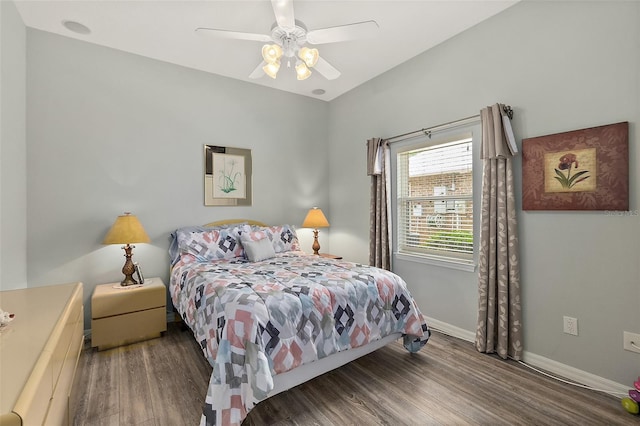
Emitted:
<point x="258" y="250"/>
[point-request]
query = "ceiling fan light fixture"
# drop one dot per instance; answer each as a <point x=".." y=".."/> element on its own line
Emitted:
<point x="302" y="71"/>
<point x="309" y="56"/>
<point x="289" y="38"/>
<point x="271" y="53"/>
<point x="271" y="69"/>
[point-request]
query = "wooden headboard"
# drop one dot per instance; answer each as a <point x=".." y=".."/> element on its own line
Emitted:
<point x="232" y="221"/>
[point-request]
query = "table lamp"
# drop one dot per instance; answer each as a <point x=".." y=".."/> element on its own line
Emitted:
<point x="315" y="219"/>
<point x="127" y="230"/>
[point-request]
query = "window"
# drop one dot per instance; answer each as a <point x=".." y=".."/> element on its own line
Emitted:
<point x="434" y="199"/>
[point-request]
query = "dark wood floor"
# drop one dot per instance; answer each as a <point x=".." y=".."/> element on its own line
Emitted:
<point x="164" y="381"/>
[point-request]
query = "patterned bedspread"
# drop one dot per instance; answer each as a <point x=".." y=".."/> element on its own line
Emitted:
<point x="255" y="320"/>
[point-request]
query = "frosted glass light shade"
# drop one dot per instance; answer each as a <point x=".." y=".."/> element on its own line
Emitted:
<point x="302" y="71"/>
<point x="315" y="219"/>
<point x="271" y="69"/>
<point x="309" y="56"/>
<point x="271" y="52"/>
<point x="127" y="229"/>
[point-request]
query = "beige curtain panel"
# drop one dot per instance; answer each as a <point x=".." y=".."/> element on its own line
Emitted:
<point x="377" y="168"/>
<point x="499" y="311"/>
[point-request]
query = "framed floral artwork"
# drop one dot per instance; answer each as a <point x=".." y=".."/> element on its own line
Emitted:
<point x="227" y="176"/>
<point x="585" y="169"/>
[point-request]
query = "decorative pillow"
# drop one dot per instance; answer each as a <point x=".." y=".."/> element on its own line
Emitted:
<point x="212" y="244"/>
<point x="257" y="250"/>
<point x="283" y="238"/>
<point x="174" y="249"/>
<point x="256" y="234"/>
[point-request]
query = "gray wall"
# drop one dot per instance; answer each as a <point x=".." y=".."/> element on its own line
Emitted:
<point x="562" y="66"/>
<point x="110" y="132"/>
<point x="13" y="175"/>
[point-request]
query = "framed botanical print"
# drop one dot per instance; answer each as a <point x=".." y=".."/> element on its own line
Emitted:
<point x="227" y="176"/>
<point x="585" y="169"/>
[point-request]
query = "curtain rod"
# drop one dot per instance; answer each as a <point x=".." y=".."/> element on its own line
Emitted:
<point x="506" y="108"/>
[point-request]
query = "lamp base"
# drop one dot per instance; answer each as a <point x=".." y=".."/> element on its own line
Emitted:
<point x="316" y="244"/>
<point x="128" y="280"/>
<point x="129" y="268"/>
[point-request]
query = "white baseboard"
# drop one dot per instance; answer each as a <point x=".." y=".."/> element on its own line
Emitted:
<point x="451" y="330"/>
<point x="540" y="362"/>
<point x="574" y="374"/>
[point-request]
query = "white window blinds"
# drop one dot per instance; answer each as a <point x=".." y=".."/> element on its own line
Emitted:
<point x="435" y="200"/>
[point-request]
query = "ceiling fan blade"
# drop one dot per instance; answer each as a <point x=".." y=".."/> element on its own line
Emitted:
<point x="343" y="32"/>
<point x="258" y="72"/>
<point x="235" y="35"/>
<point x="326" y="69"/>
<point x="283" y="9"/>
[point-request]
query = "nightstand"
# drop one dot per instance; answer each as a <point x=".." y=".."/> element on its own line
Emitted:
<point x="122" y="315"/>
<point x="330" y="256"/>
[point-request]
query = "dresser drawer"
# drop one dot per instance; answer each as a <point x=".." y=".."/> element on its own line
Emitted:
<point x="33" y="403"/>
<point x="39" y="353"/>
<point x="70" y="330"/>
<point x="59" y="413"/>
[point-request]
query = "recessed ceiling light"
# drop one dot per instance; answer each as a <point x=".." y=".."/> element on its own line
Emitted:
<point x="319" y="91"/>
<point x="76" y="27"/>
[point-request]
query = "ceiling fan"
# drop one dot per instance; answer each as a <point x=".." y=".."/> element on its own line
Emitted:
<point x="288" y="40"/>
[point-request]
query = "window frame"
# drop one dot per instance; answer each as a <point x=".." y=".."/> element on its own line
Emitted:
<point x="471" y="127"/>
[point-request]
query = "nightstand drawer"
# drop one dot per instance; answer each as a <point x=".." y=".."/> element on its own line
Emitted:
<point x="108" y="301"/>
<point x="128" y="328"/>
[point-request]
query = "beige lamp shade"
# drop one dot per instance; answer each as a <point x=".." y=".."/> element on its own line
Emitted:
<point x="127" y="229"/>
<point x="315" y="219"/>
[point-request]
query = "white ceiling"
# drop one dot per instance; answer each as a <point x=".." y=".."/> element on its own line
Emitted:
<point x="164" y="30"/>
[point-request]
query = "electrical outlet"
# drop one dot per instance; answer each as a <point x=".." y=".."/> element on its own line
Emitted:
<point x="571" y="325"/>
<point x="631" y="341"/>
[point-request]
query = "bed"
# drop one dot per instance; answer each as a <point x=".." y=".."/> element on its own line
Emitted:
<point x="269" y="316"/>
